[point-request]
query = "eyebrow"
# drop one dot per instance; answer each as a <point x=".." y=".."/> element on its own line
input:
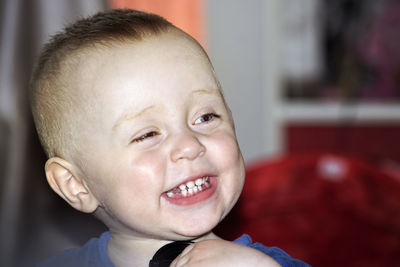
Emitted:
<point x="126" y="116"/>
<point x="205" y="91"/>
<point x="130" y="116"/>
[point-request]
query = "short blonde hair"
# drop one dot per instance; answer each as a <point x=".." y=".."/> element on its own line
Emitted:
<point x="50" y="96"/>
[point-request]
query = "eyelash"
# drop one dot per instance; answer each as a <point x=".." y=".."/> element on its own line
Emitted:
<point x="210" y="117"/>
<point x="145" y="136"/>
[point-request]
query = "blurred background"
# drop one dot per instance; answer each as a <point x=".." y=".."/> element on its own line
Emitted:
<point x="314" y="87"/>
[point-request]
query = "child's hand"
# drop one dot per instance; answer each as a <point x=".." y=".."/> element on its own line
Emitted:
<point x="221" y="253"/>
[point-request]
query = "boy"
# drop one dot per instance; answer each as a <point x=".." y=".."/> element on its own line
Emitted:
<point x="135" y="126"/>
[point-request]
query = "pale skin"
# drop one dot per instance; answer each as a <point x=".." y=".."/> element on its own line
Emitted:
<point x="154" y="118"/>
<point x="222" y="253"/>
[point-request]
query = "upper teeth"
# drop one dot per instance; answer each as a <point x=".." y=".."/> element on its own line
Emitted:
<point x="191" y="187"/>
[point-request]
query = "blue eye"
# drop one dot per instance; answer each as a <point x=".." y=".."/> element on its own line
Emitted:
<point x="145" y="136"/>
<point x="206" y="118"/>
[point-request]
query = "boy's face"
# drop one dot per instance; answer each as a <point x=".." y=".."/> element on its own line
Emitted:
<point x="158" y="126"/>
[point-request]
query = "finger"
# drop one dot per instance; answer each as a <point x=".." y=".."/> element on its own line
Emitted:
<point x="183" y="258"/>
<point x="180" y="261"/>
<point x="187" y="250"/>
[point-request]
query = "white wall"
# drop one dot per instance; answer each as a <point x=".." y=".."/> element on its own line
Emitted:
<point x="237" y="43"/>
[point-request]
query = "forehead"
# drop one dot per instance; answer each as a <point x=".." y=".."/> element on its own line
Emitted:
<point x="152" y="68"/>
<point x="155" y="55"/>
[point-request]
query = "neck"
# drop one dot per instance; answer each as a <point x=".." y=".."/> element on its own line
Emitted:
<point x="124" y="250"/>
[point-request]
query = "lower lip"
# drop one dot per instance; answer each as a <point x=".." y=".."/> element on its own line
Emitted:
<point x="196" y="198"/>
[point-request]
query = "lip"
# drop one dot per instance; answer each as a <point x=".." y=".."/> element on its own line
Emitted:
<point x="196" y="198"/>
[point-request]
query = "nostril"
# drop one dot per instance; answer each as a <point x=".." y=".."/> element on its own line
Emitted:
<point x="202" y="152"/>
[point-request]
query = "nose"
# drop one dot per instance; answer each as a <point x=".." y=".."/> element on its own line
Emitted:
<point x="187" y="146"/>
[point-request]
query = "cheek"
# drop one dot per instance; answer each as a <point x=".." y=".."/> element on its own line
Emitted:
<point x="226" y="152"/>
<point x="128" y="177"/>
<point x="227" y="157"/>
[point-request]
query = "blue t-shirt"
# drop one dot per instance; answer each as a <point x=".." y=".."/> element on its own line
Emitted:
<point x="277" y="254"/>
<point x="94" y="254"/>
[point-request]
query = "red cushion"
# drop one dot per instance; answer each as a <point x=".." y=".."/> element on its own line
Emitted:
<point x="327" y="210"/>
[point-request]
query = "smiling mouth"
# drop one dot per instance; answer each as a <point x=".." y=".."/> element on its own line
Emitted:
<point x="190" y="188"/>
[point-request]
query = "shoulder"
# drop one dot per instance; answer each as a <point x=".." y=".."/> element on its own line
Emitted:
<point x="277" y="254"/>
<point x="93" y="253"/>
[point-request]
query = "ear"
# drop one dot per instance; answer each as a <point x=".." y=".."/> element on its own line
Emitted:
<point x="71" y="188"/>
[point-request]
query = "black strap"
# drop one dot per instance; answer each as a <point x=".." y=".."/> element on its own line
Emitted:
<point x="166" y="254"/>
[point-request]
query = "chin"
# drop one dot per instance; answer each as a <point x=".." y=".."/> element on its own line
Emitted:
<point x="197" y="228"/>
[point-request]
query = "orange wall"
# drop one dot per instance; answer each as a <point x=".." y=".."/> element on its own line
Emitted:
<point x="187" y="15"/>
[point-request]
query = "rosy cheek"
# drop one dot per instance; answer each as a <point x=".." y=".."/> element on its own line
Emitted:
<point x="230" y="163"/>
<point x="148" y="167"/>
<point x="226" y="151"/>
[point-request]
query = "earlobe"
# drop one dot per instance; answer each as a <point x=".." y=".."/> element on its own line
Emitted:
<point x="67" y="185"/>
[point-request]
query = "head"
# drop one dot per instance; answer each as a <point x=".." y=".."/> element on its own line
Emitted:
<point x="131" y="115"/>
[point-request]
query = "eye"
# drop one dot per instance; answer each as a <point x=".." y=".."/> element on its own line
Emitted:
<point x="206" y="118"/>
<point x="144" y="137"/>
